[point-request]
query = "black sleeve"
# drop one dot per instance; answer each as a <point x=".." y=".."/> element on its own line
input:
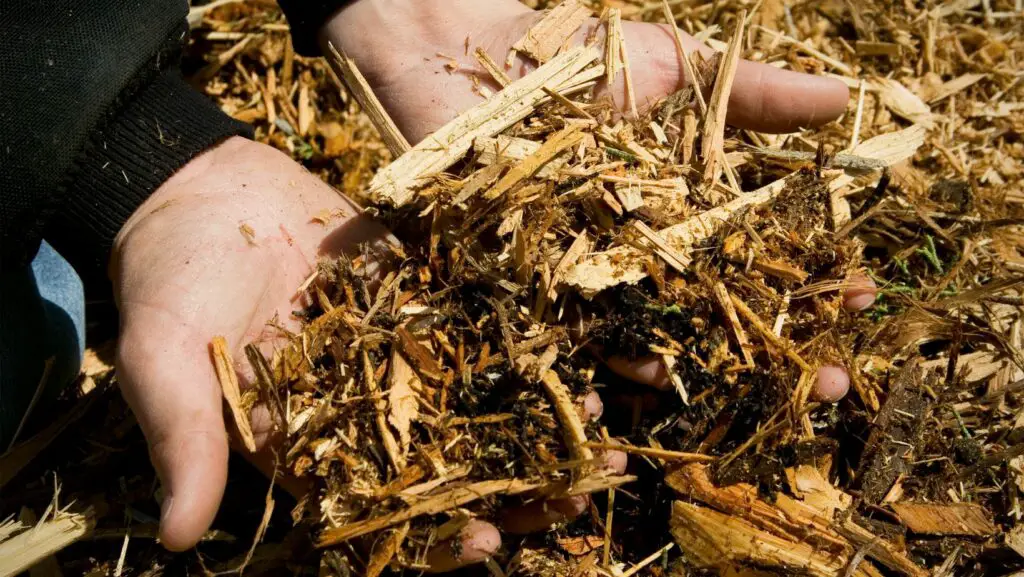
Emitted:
<point x="305" y="18"/>
<point x="94" y="115"/>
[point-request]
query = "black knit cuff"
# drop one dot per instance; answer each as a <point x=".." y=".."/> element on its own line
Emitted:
<point x="306" y="17"/>
<point x="157" y="132"/>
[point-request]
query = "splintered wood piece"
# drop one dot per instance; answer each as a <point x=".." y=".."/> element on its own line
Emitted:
<point x="387" y="550"/>
<point x="902" y="102"/>
<point x="893" y="147"/>
<point x="387" y="437"/>
<point x="714" y="121"/>
<point x="767" y="334"/>
<point x="627" y="73"/>
<point x="955" y="86"/>
<point x="225" y="369"/>
<point x="629" y="196"/>
<point x="725" y="303"/>
<point x="419" y="356"/>
<point x="966" y="519"/>
<point x="1015" y="539"/>
<point x="677" y="456"/>
<point x="22" y="551"/>
<point x="490" y="151"/>
<point x="368" y="101"/>
<point x="572" y="426"/>
<point x="555" y="145"/>
<point x="670" y="255"/>
<point x="492" y="67"/>
<point x="403" y="407"/>
<point x="613" y="45"/>
<point x="880" y="550"/>
<point x="624" y="264"/>
<point x="446" y="501"/>
<point x="799" y="522"/>
<point x="545" y="38"/>
<point x="463" y="495"/>
<point x="579" y="247"/>
<point x="395" y="184"/>
<point x="714" y="540"/>
<point x="691" y="74"/>
<point x="669" y="361"/>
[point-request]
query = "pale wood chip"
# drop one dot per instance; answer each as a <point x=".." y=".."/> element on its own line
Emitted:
<point x="624" y="264"/>
<point x="395" y="184"/>
<point x="572" y="426"/>
<point x="403" y="407"/>
<point x="224" y="366"/>
<point x="345" y="67"/>
<point x="714" y="122"/>
<point x="545" y="38"/>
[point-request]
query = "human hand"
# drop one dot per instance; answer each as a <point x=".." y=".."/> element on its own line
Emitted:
<point x="184" y="271"/>
<point x="401" y="47"/>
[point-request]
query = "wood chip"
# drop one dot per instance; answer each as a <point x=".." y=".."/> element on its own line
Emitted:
<point x="345" y="67"/>
<point x="545" y="38"/>
<point x="624" y="265"/>
<point x="395" y="184"/>
<point x="714" y="122"/>
<point x="965" y="519"/>
<point x="554" y="146"/>
<point x="224" y="366"/>
<point x="572" y="426"/>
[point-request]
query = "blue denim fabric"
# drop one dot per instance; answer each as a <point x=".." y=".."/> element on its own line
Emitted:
<point x="42" y="316"/>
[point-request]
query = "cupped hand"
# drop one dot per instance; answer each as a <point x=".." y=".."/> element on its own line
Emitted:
<point x="221" y="249"/>
<point x="218" y="249"/>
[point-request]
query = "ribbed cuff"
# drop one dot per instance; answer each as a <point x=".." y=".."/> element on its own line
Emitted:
<point x="306" y="17"/>
<point x="162" y="128"/>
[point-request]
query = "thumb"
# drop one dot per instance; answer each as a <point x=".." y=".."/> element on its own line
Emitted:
<point x="167" y="378"/>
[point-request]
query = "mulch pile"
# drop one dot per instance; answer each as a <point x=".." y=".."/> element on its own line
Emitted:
<point x="439" y="380"/>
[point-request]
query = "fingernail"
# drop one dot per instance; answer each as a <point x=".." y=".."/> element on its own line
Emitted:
<point x="593" y="408"/>
<point x="570" y="507"/>
<point x="861" y="294"/>
<point x="479" y="540"/>
<point x="615" y="461"/>
<point x="832" y="385"/>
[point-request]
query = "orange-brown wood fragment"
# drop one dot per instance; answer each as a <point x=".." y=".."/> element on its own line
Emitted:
<point x="966" y="519"/>
<point x="240" y="406"/>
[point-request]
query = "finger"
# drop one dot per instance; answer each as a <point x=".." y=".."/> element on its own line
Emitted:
<point x="592" y="407"/>
<point x="615" y="461"/>
<point x="541" y="515"/>
<point x="646" y="371"/>
<point x="861" y="293"/>
<point x="763" y="98"/>
<point x="477" y="541"/>
<point x="168" y="380"/>
<point x="832" y="384"/>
